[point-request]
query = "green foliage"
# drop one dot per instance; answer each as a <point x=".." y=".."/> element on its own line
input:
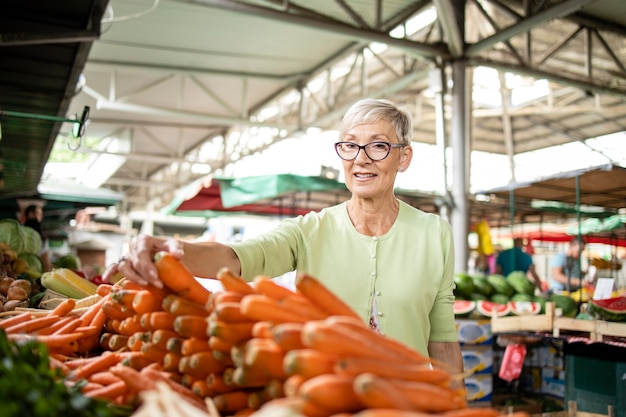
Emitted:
<point x="30" y="387"/>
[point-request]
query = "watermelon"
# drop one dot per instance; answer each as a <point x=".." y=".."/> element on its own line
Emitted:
<point x="542" y="301"/>
<point x="491" y="309"/>
<point x="522" y="297"/>
<point x="524" y="308"/>
<point x="500" y="285"/>
<point x="520" y="282"/>
<point x="463" y="308"/>
<point x="464" y="284"/>
<point x="608" y="309"/>
<point x="567" y="305"/>
<point x="499" y="298"/>
<point x="482" y="286"/>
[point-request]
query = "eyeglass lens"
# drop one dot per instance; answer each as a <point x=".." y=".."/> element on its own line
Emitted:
<point x="374" y="150"/>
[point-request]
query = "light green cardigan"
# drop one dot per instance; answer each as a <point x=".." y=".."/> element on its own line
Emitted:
<point x="409" y="269"/>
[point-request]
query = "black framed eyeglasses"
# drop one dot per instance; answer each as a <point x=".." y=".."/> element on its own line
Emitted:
<point x="376" y="151"/>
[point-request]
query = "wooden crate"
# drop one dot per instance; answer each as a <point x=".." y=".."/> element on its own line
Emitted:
<point x="529" y="323"/>
<point x="550" y="322"/>
<point x="572" y="411"/>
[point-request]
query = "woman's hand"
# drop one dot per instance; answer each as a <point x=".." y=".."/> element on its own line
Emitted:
<point x="138" y="264"/>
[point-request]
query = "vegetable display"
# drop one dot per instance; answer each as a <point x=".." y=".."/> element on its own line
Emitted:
<point x="246" y="350"/>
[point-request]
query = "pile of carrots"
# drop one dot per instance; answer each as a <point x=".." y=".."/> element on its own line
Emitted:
<point x="249" y="348"/>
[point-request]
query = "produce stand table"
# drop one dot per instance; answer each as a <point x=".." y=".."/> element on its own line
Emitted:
<point x="597" y="330"/>
<point x="594" y="371"/>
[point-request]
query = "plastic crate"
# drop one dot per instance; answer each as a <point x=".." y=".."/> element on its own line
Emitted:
<point x="596" y="383"/>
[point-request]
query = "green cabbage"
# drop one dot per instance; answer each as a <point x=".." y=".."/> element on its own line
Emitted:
<point x="12" y="233"/>
<point x="32" y="240"/>
<point x="34" y="261"/>
<point x="20" y="238"/>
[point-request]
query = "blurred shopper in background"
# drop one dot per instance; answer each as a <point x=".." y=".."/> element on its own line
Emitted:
<point x="515" y="259"/>
<point x="565" y="268"/>
<point x="33" y="217"/>
<point x="392" y="263"/>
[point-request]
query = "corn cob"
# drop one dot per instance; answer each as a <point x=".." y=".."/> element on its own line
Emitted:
<point x="67" y="282"/>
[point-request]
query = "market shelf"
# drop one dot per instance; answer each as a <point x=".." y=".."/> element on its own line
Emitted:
<point x="597" y="330"/>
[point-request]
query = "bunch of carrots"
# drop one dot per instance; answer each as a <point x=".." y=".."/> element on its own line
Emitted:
<point x="252" y="348"/>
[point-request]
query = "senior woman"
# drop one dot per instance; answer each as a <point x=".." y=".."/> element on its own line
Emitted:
<point x="390" y="262"/>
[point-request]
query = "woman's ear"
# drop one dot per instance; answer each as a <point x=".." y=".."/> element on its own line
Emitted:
<point x="405" y="158"/>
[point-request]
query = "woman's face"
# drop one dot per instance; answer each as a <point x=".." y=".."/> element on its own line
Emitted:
<point x="366" y="178"/>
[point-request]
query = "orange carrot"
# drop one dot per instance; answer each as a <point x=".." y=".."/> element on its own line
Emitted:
<point x="377" y="392"/>
<point x="308" y="362"/>
<point x="160" y="337"/>
<point x="332" y="392"/>
<point x="262" y="329"/>
<point x="328" y="337"/>
<point x="247" y="377"/>
<point x="288" y="335"/>
<point x="322" y="297"/>
<point x="97" y="364"/>
<point x="428" y="397"/>
<point x="476" y="412"/>
<point x="56" y="326"/>
<point x="201" y="388"/>
<point x="131" y="285"/>
<point x="205" y="362"/>
<point x="175" y="276"/>
<point x="268" y="287"/>
<point x="123" y="296"/>
<point x="104" y="289"/>
<point x="88" y="316"/>
<point x="118" y="342"/>
<point x="411" y="372"/>
<point x="175" y="344"/>
<point x="229" y="311"/>
<point x="224" y="296"/>
<point x="136" y="360"/>
<point x="175" y="386"/>
<point x="153" y="352"/>
<point x="216" y="383"/>
<point x="303" y="306"/>
<point x="32" y="325"/>
<point x="64" y="307"/>
<point x="69" y="326"/>
<point x="146" y="301"/>
<point x="134" y="379"/>
<point x="108" y="392"/>
<point x="262" y="308"/>
<point x="17" y="319"/>
<point x="116" y="311"/>
<point x="136" y="340"/>
<point x="257" y="398"/>
<point x="104" y="377"/>
<point x="180" y="306"/>
<point x="192" y="345"/>
<point x="228" y="403"/>
<point x="129" y="326"/>
<point x="398" y="349"/>
<point x="292" y="384"/>
<point x="231" y="282"/>
<point x="171" y="361"/>
<point x="191" y="326"/>
<point x="157" y="320"/>
<point x="266" y="356"/>
<point x="233" y="333"/>
<point x="218" y="344"/>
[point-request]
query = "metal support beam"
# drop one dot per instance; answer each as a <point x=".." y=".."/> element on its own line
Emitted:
<point x="530" y="22"/>
<point x="350" y="32"/>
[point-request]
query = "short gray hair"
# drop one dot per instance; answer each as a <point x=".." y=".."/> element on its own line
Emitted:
<point x="371" y="110"/>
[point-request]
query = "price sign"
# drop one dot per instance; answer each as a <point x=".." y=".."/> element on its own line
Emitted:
<point x="604" y="288"/>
